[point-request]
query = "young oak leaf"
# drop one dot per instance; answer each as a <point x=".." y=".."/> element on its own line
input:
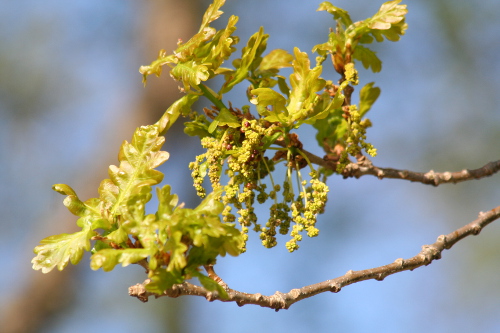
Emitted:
<point x="224" y="118"/>
<point x="211" y="205"/>
<point x="136" y="172"/>
<point x="339" y="14"/>
<point x="275" y="60"/>
<point x="368" y="58"/>
<point x="210" y="284"/>
<point x="166" y="202"/>
<point x="195" y="60"/>
<point x="212" y="13"/>
<point x="388" y="22"/>
<point x="177" y="250"/>
<point x="182" y="106"/>
<point x="74" y="204"/>
<point x="331" y="130"/>
<point x="107" y="259"/>
<point x="250" y="59"/>
<point x="265" y="97"/>
<point x="305" y="84"/>
<point x="191" y="73"/>
<point x="160" y="280"/>
<point x="325" y="106"/>
<point x="367" y="96"/>
<point x="59" y="250"/>
<point x="221" y="47"/>
<point x="156" y="65"/>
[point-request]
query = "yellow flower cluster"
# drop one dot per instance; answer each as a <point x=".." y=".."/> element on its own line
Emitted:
<point x="242" y="149"/>
<point x="356" y="137"/>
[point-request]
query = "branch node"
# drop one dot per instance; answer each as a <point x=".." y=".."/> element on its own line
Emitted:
<point x="334" y="286"/>
<point x="139" y="291"/>
<point x="476" y="229"/>
<point x="259" y="297"/>
<point x="400" y="262"/>
<point x="429" y="253"/>
<point x="444" y="241"/>
<point x="404" y="174"/>
<point x="210" y="296"/>
<point x="447" y="176"/>
<point x="431" y="176"/>
<point x="277" y="301"/>
<point x="295" y="293"/>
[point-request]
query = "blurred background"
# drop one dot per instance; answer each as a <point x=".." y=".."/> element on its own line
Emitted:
<point x="70" y="93"/>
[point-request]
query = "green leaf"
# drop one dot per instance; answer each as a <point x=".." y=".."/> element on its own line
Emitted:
<point x="107" y="259"/>
<point x="211" y="204"/>
<point x="59" y="250"/>
<point x="90" y="209"/>
<point x="118" y="236"/>
<point x="265" y="97"/>
<point x="332" y="129"/>
<point x="177" y="249"/>
<point x="388" y="22"/>
<point x="136" y="173"/>
<point x="367" y="96"/>
<point x="166" y="202"/>
<point x="156" y="65"/>
<point x="325" y="106"/>
<point x="335" y="44"/>
<point x="195" y="128"/>
<point x="147" y="232"/>
<point x="224" y="118"/>
<point x="187" y="51"/>
<point x="275" y="60"/>
<point x="269" y="140"/>
<point x="160" y="280"/>
<point x="210" y="284"/>
<point x="305" y="84"/>
<point x="283" y="86"/>
<point x="182" y="106"/>
<point x="250" y="60"/>
<point x="74" y="204"/>
<point x="190" y="73"/>
<point x="212" y="13"/>
<point x="221" y="47"/>
<point x="339" y="14"/>
<point x="368" y="58"/>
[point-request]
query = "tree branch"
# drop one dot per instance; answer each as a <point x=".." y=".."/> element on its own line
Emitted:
<point x="365" y="167"/>
<point x="280" y="300"/>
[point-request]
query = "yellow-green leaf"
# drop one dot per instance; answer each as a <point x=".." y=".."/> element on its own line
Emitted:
<point x="367" y="96"/>
<point x="265" y="97"/>
<point x="107" y="259"/>
<point x="305" y="84"/>
<point x="59" y="250"/>
<point x="212" y="13"/>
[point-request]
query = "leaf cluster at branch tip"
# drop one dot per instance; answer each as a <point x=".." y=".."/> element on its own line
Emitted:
<point x="243" y="146"/>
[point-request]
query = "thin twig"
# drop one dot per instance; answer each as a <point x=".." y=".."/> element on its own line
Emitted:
<point x="211" y="274"/>
<point x="365" y="167"/>
<point x="280" y="300"/>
